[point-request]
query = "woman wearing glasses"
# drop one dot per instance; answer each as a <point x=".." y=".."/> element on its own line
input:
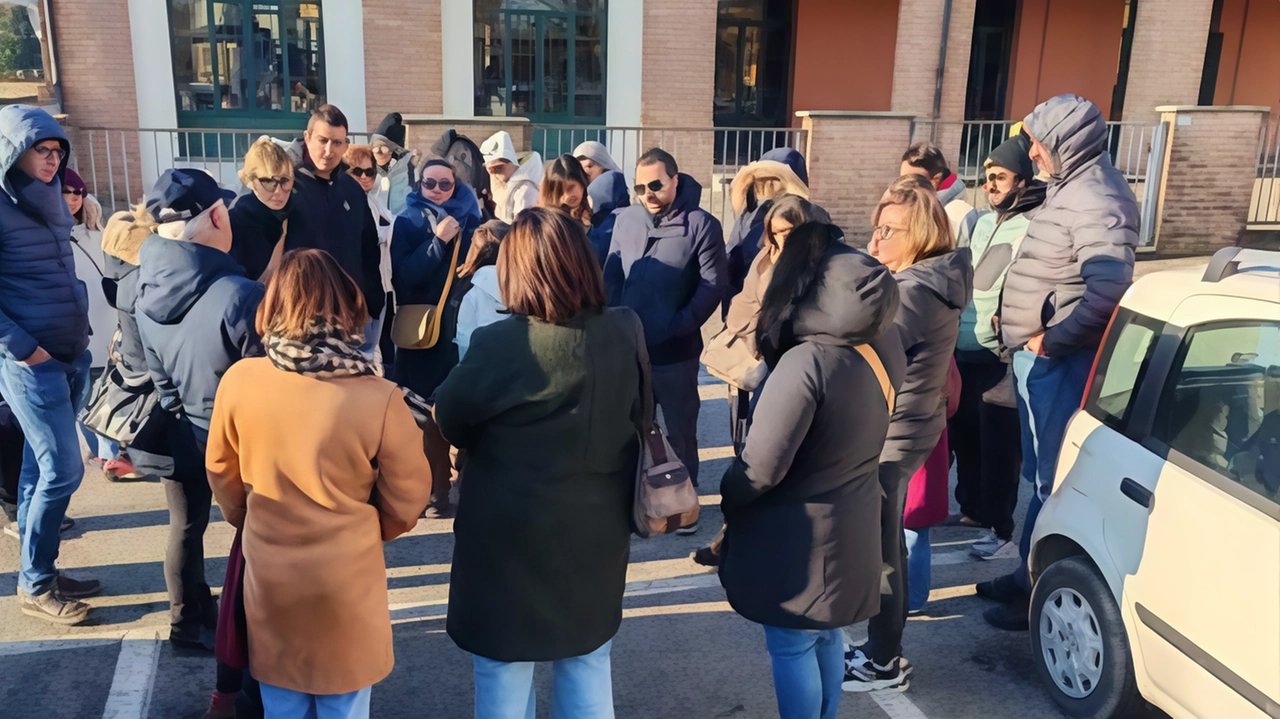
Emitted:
<point x="259" y="218"/>
<point x="360" y="165"/>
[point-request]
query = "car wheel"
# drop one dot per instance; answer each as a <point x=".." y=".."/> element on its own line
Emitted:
<point x="1079" y="642"/>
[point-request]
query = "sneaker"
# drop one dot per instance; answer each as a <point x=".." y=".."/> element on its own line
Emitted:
<point x="122" y="470"/>
<point x="987" y="546"/>
<point x="706" y="557"/>
<point x="863" y="675"/>
<point x="1004" y="589"/>
<point x="53" y="608"/>
<point x="67" y="524"/>
<point x="438" y="510"/>
<point x="221" y="706"/>
<point x="686" y="531"/>
<point x="77" y="588"/>
<point x="1009" y="617"/>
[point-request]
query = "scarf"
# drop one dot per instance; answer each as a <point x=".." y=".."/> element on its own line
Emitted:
<point x="328" y="353"/>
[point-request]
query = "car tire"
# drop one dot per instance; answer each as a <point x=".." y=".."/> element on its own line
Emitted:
<point x="1080" y="645"/>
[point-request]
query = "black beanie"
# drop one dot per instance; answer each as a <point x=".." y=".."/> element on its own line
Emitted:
<point x="392" y="128"/>
<point x="1014" y="154"/>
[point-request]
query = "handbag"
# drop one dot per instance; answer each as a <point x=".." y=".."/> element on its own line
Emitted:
<point x="116" y="410"/>
<point x="727" y="358"/>
<point x="417" y="327"/>
<point x="665" y="498"/>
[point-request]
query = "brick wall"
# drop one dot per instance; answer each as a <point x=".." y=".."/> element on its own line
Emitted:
<point x="402" y="46"/>
<point x="1204" y="202"/>
<point x="1169" y="38"/>
<point x="678" y="79"/>
<point x="915" y="65"/>
<point x="852" y="159"/>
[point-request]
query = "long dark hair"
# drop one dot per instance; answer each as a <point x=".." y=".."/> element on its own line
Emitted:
<point x="793" y="277"/>
<point x="560" y="172"/>
<point x="792" y="208"/>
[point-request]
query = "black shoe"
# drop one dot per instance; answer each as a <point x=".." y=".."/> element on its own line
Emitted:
<point x="197" y="639"/>
<point x="863" y="675"/>
<point x="1004" y="589"/>
<point x="1009" y="617"/>
<point x="77" y="588"/>
<point x="67" y="524"/>
<point x="705" y="557"/>
<point x="439" y="510"/>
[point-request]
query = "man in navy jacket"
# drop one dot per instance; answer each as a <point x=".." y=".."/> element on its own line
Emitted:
<point x="667" y="263"/>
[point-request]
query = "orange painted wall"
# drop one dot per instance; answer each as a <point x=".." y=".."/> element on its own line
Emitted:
<point x="1249" y="72"/>
<point x="844" y="55"/>
<point x="1064" y="46"/>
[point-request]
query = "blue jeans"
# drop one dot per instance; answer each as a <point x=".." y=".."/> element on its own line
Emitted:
<point x="1049" y="390"/>
<point x="808" y="671"/>
<point x="102" y="447"/>
<point x="919" y="568"/>
<point x="372" y="335"/>
<point x="280" y="703"/>
<point x="582" y="687"/>
<point x="44" y="398"/>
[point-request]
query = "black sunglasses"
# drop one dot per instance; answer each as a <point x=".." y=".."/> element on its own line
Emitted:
<point x="654" y="186"/>
<point x="365" y="171"/>
<point x="74" y="191"/>
<point x="431" y="183"/>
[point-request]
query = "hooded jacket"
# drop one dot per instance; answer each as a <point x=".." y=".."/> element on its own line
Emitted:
<point x="468" y="164"/>
<point x="195" y="311"/>
<point x="962" y="215"/>
<point x="933" y="292"/>
<point x="743" y="244"/>
<point x="609" y="195"/>
<point x="124" y="237"/>
<point x="42" y="302"/>
<point x="670" y="269"/>
<point x="1076" y="260"/>
<point x="481" y="306"/>
<point x="519" y="192"/>
<point x="802" y="503"/>
<point x="255" y="230"/>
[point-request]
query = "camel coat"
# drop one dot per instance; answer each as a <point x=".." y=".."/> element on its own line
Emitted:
<point x="318" y="473"/>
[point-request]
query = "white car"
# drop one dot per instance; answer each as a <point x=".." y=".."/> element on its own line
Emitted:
<point x="1156" y="560"/>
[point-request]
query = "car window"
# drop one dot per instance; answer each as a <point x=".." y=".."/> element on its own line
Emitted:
<point x="1120" y="370"/>
<point x="1221" y="406"/>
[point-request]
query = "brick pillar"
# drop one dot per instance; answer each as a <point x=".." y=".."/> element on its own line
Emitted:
<point x="853" y="156"/>
<point x="402" y="46"/>
<point x="1169" y="38"/>
<point x="1208" y="177"/>
<point x="677" y="86"/>
<point x="915" y="65"/>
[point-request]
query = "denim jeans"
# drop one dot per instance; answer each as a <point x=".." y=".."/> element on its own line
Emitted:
<point x="372" y="336"/>
<point x="919" y="568"/>
<point x="1049" y="390"/>
<point x="808" y="671"/>
<point x="281" y="703"/>
<point x="101" y="447"/>
<point x="581" y="688"/>
<point x="44" y="399"/>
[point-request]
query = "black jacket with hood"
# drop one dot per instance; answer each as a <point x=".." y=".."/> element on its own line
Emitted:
<point x="802" y="503"/>
<point x="255" y="230"/>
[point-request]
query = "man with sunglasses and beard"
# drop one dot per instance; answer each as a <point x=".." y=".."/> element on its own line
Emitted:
<point x="667" y="263"/>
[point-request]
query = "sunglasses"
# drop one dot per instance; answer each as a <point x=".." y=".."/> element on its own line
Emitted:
<point x="271" y="184"/>
<point x="652" y="187"/>
<point x="363" y="172"/>
<point x="431" y="183"/>
<point x="74" y="191"/>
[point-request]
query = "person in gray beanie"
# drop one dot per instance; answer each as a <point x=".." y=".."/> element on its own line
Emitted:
<point x="595" y="159"/>
<point x="395" y="164"/>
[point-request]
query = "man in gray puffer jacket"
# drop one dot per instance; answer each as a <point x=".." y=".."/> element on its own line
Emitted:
<point x="1070" y="273"/>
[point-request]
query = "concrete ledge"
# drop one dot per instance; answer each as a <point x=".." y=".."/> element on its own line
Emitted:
<point x="857" y="114"/>
<point x="1213" y="108"/>
<point x="442" y="120"/>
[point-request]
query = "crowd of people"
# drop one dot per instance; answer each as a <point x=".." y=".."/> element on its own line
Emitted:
<point x="372" y="334"/>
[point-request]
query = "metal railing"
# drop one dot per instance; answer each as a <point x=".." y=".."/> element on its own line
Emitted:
<point x="712" y="155"/>
<point x="1264" y="205"/>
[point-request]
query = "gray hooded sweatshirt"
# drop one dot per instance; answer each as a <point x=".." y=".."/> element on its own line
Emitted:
<point x="1077" y="258"/>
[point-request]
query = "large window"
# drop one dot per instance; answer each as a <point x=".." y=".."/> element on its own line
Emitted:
<point x="753" y="56"/>
<point x="24" y="76"/>
<point x="541" y="59"/>
<point x="246" y="63"/>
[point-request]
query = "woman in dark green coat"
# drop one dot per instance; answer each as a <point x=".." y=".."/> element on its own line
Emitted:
<point x="546" y="403"/>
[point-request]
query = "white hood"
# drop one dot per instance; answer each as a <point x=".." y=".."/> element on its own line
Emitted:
<point x="486" y="280"/>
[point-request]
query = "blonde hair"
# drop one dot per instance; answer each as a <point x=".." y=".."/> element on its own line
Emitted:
<point x="928" y="228"/>
<point x="265" y="159"/>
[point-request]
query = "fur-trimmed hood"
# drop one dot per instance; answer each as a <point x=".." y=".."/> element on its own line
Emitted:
<point x="747" y="176"/>
<point x="124" y="235"/>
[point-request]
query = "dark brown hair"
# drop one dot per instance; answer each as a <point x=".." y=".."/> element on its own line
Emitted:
<point x="329" y="115"/>
<point x="928" y="158"/>
<point x="547" y="268"/>
<point x="485" y="244"/>
<point x="560" y="172"/>
<point x="310" y="285"/>
<point x="657" y="155"/>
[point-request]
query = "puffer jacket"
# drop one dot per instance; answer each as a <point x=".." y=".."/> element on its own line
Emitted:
<point x="42" y="302"/>
<point x="481" y="306"/>
<point x="743" y="244"/>
<point x="609" y="196"/>
<point x="1077" y="258"/>
<point x="933" y="292"/>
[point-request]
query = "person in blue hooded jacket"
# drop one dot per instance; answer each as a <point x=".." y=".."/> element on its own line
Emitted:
<point x="195" y="311"/>
<point x="609" y="197"/>
<point x="667" y="263"/>
<point x="44" y="357"/>
<point x="778" y="172"/>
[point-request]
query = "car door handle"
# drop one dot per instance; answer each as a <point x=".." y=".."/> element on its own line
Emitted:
<point x="1137" y="492"/>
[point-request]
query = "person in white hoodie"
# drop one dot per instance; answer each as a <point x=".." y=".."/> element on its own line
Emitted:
<point x="514" y="184"/>
<point x="482" y="303"/>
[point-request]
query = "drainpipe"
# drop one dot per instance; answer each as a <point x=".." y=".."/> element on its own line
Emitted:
<point x="942" y="68"/>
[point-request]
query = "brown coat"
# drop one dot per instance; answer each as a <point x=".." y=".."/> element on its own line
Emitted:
<point x="744" y="309"/>
<point x="291" y="461"/>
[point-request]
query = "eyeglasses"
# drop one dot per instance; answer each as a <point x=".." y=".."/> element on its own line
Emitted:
<point x="43" y="151"/>
<point x="653" y="186"/>
<point x="271" y="184"/>
<point x="363" y="171"/>
<point x="74" y="191"/>
<point x="886" y="232"/>
<point x="431" y="183"/>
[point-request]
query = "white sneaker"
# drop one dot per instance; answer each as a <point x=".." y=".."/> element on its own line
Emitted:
<point x="686" y="531"/>
<point x="988" y="545"/>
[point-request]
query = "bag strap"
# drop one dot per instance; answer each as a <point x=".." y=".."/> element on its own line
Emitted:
<point x="448" y="284"/>
<point x="646" y="375"/>
<point x="886" y="387"/>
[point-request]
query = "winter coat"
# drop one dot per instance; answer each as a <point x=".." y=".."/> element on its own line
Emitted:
<point x="744" y="309"/>
<point x="548" y="416"/>
<point x="746" y="235"/>
<point x="609" y="196"/>
<point x="519" y="192"/>
<point x="333" y="215"/>
<point x="962" y="215"/>
<point x="928" y="492"/>
<point x="195" y="313"/>
<point x="318" y="473"/>
<point x="383" y="216"/>
<point x="802" y="502"/>
<point x="995" y="242"/>
<point x="396" y="182"/>
<point x="671" y="270"/>
<point x="934" y="291"/>
<point x="420" y="265"/>
<point x="87" y="246"/>
<point x="255" y="231"/>
<point x="1076" y="260"/>
<point x="481" y="306"/>
<point x="43" y="304"/>
<point x="133" y="358"/>
<point x="468" y="164"/>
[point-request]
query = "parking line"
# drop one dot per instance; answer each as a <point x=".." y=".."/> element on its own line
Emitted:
<point x="135" y="676"/>
<point x="897" y="705"/>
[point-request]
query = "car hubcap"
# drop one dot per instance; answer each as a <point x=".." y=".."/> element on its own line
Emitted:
<point x="1071" y="642"/>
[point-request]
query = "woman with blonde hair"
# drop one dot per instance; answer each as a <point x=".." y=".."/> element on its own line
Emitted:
<point x="912" y="237"/>
<point x="259" y="218"/>
<point x="318" y="460"/>
<point x="564" y="187"/>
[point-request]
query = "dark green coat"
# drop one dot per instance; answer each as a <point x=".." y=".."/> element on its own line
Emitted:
<point x="548" y="415"/>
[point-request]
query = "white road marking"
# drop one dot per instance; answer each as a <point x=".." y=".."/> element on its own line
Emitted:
<point x="135" y="676"/>
<point x="897" y="705"/>
<point x="11" y="649"/>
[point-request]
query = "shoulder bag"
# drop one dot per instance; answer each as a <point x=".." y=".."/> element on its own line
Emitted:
<point x="727" y="357"/>
<point x="417" y="327"/>
<point x="116" y="410"/>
